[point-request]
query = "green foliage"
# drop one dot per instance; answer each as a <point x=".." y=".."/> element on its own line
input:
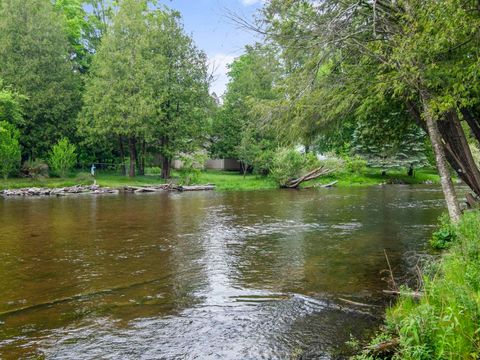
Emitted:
<point x="239" y="130"/>
<point x="192" y="166"/>
<point x="10" y="154"/>
<point x="289" y="164"/>
<point x="386" y="136"/>
<point x="63" y="157"/>
<point x="445" y="235"/>
<point x="34" y="54"/>
<point x="10" y="106"/>
<point x="355" y="164"/>
<point x="443" y="324"/>
<point x="156" y="92"/>
<point x="333" y="162"/>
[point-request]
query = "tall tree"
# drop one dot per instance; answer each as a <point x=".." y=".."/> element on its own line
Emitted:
<point x="179" y="85"/>
<point x="117" y="100"/>
<point x="34" y="54"/>
<point x="148" y="84"/>
<point x="424" y="53"/>
<point x="239" y="126"/>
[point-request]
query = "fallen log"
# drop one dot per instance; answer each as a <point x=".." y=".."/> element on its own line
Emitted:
<point x="329" y="184"/>
<point x="293" y="184"/>
<point x="146" y="189"/>
<point x="191" y="188"/>
<point x="413" y="294"/>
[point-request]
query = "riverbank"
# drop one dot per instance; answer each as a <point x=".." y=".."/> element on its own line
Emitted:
<point x="441" y="319"/>
<point x="223" y="180"/>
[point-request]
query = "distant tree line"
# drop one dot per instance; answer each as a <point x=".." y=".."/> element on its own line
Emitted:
<point x="116" y="78"/>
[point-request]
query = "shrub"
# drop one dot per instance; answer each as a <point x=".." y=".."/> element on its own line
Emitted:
<point x="10" y="153"/>
<point x="289" y="164"/>
<point x="445" y="235"/>
<point x="36" y="169"/>
<point x="355" y="164"/>
<point x="63" y="157"/>
<point x="444" y="322"/>
<point x="333" y="162"/>
<point x="192" y="166"/>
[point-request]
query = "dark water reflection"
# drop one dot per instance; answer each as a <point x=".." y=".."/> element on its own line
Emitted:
<point x="240" y="275"/>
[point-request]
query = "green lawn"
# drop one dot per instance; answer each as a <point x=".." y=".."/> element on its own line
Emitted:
<point x="373" y="176"/>
<point x="224" y="180"/>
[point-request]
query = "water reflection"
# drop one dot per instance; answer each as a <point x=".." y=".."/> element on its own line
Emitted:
<point x="245" y="275"/>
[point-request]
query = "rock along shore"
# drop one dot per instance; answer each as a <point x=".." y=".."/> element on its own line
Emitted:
<point x="97" y="190"/>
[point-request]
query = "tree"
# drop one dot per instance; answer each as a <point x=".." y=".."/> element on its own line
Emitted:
<point x="424" y="53"/>
<point x="36" y="63"/>
<point x="387" y="137"/>
<point x="117" y="101"/>
<point x="63" y="157"/>
<point x="10" y="106"/>
<point x="148" y="85"/>
<point x="86" y="22"/>
<point x="180" y="87"/>
<point x="10" y="151"/>
<point x="239" y="129"/>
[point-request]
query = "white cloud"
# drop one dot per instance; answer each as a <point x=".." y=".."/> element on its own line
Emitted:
<point x="251" y="2"/>
<point x="218" y="67"/>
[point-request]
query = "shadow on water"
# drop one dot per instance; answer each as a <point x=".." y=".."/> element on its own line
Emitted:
<point x="239" y="275"/>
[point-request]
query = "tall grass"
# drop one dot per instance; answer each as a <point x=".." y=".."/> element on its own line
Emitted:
<point x="445" y="322"/>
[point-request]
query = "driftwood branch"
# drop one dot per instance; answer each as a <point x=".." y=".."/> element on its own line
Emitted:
<point x="293" y="184"/>
<point x="413" y="294"/>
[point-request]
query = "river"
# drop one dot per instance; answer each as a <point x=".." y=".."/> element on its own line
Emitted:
<point x="207" y="275"/>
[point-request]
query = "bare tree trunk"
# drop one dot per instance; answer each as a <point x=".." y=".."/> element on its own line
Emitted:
<point x="133" y="155"/>
<point x="141" y="159"/>
<point x="466" y="154"/>
<point x="123" y="170"/>
<point x="165" y="168"/>
<point x="456" y="148"/>
<point x="447" y="185"/>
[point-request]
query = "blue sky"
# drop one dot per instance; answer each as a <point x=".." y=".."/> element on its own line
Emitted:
<point x="214" y="33"/>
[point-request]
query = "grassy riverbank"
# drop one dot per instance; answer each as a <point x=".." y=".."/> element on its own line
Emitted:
<point x="444" y="323"/>
<point x="224" y="180"/>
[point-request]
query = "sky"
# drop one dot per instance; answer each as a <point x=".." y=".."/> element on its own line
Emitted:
<point x="222" y="40"/>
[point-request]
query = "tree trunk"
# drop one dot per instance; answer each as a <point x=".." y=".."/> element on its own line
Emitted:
<point x="166" y="168"/>
<point x="471" y="169"/>
<point x="133" y="155"/>
<point x="456" y="148"/>
<point x="445" y="179"/>
<point x="474" y="123"/>
<point x="141" y="159"/>
<point x="123" y="170"/>
<point x="144" y="156"/>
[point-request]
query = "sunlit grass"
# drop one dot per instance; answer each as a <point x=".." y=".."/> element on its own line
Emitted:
<point x="445" y="322"/>
<point x="224" y="180"/>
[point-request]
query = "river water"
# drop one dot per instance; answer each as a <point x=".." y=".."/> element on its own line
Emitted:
<point x="208" y="275"/>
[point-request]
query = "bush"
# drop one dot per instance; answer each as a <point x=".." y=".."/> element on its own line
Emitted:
<point x="444" y="322"/>
<point x="10" y="153"/>
<point x="355" y="165"/>
<point x="36" y="169"/>
<point x="192" y="166"/>
<point x="63" y="157"/>
<point x="333" y="162"/>
<point x="445" y="235"/>
<point x="289" y="164"/>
